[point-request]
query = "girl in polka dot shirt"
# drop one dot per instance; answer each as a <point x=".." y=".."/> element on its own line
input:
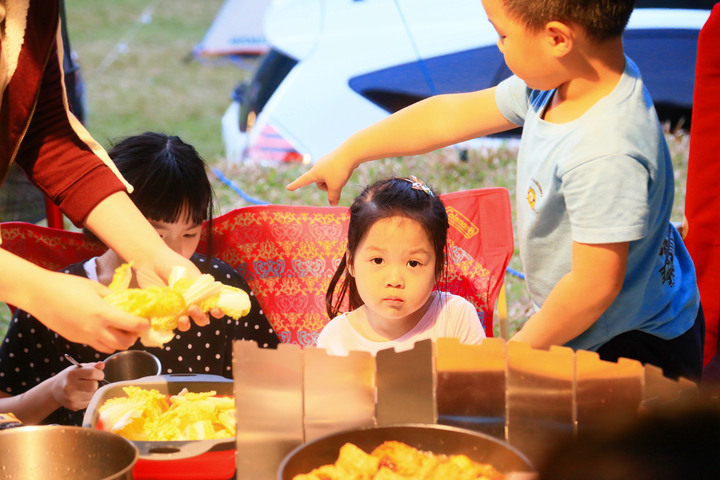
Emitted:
<point x="172" y="190"/>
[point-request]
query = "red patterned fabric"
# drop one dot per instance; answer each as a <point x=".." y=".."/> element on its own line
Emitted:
<point x="702" y="200"/>
<point x="288" y="255"/>
<point x="49" y="248"/>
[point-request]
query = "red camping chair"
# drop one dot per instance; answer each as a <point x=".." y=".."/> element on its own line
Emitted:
<point x="49" y="248"/>
<point x="288" y="254"/>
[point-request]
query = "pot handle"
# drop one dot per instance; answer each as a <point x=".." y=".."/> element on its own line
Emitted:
<point x="188" y="377"/>
<point x="176" y="450"/>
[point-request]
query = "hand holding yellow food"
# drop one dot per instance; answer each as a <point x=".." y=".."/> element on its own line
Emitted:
<point x="163" y="305"/>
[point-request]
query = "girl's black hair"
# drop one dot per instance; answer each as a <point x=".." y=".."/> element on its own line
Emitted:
<point x="383" y="199"/>
<point x="168" y="176"/>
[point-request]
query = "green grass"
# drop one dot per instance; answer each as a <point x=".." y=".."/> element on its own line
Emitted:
<point x="156" y="85"/>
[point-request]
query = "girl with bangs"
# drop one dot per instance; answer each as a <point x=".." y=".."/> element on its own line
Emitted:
<point x="173" y="192"/>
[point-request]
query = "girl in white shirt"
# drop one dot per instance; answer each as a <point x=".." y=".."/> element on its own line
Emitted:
<point x="386" y="282"/>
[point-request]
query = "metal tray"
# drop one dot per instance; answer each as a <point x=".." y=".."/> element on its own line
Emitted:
<point x="167" y="385"/>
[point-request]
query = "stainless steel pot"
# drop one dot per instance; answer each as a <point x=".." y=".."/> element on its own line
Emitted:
<point x="439" y="439"/>
<point x="130" y="365"/>
<point x="62" y="452"/>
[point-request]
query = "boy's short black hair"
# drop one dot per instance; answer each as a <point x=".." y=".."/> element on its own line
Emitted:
<point x="601" y="19"/>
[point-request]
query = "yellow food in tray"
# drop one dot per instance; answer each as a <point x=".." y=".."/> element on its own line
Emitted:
<point x="396" y="461"/>
<point x="150" y="415"/>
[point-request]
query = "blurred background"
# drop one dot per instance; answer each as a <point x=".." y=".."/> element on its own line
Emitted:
<point x="161" y="65"/>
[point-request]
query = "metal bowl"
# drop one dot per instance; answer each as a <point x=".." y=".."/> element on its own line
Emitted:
<point x="54" y="452"/>
<point x="439" y="439"/>
<point x="131" y="365"/>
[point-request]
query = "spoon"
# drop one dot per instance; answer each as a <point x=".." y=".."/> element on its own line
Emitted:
<point x="77" y="364"/>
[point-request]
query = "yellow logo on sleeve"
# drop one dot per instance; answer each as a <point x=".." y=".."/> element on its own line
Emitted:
<point x="531" y="198"/>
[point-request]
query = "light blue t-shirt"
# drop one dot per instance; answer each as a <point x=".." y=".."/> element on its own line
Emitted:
<point x="605" y="177"/>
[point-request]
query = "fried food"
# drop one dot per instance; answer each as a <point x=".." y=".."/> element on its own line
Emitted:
<point x="352" y="463"/>
<point x="394" y="460"/>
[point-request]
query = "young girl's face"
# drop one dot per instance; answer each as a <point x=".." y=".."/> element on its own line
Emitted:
<point x="183" y="236"/>
<point x="394" y="270"/>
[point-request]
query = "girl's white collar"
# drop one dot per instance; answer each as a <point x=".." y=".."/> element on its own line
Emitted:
<point x="90" y="268"/>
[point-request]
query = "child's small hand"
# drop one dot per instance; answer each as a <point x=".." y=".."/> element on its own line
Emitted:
<point x="158" y="273"/>
<point x="198" y="316"/>
<point x="195" y="313"/>
<point x="74" y="387"/>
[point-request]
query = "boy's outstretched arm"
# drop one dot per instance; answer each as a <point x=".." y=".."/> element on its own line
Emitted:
<point x="425" y="126"/>
<point x="580" y="297"/>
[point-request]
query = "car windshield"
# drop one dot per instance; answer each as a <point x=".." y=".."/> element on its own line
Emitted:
<point x="253" y="96"/>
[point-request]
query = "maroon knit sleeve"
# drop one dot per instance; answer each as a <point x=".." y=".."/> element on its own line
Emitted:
<point x="56" y="157"/>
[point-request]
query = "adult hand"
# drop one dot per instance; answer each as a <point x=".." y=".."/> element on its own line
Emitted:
<point x="156" y="268"/>
<point x="330" y="173"/>
<point x="153" y="260"/>
<point x="73" y="388"/>
<point x="157" y="272"/>
<point x="74" y="307"/>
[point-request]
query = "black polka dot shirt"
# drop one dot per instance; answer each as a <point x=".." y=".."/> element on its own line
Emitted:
<point x="31" y="352"/>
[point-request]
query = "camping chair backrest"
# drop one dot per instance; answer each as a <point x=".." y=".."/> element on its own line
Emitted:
<point x="49" y="248"/>
<point x="288" y="254"/>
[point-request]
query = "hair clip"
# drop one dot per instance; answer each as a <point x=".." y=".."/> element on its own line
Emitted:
<point x="418" y="184"/>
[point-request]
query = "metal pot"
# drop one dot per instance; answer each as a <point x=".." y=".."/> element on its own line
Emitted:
<point x="55" y="452"/>
<point x="439" y="439"/>
<point x="130" y="365"/>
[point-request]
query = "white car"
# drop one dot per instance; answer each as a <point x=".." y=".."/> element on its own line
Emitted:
<point x="336" y="66"/>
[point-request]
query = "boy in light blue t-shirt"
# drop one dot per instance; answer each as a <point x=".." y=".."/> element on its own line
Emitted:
<point x="605" y="268"/>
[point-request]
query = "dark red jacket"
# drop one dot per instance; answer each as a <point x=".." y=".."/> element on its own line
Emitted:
<point x="702" y="197"/>
<point x="38" y="131"/>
